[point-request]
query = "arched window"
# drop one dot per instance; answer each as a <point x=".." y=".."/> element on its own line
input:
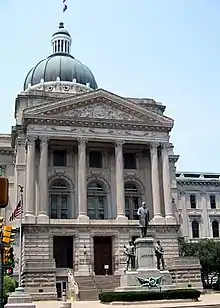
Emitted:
<point x="97" y="201"/>
<point x="195" y="229"/>
<point x="215" y="228"/>
<point x="59" y="199"/>
<point x="132" y="200"/>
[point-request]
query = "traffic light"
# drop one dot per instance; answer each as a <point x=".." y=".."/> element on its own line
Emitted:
<point x="8" y="235"/>
<point x="10" y="257"/>
<point x="4" y="187"/>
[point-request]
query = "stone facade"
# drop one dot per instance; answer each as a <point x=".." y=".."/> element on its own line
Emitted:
<point x="87" y="159"/>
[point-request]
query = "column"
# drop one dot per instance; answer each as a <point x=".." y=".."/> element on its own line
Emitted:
<point x="30" y="180"/>
<point x="157" y="219"/>
<point x="184" y="215"/>
<point x="169" y="217"/>
<point x="42" y="216"/>
<point x="120" y="195"/>
<point x="82" y="183"/>
<point x="205" y="220"/>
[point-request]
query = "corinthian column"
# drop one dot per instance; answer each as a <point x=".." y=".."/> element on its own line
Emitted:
<point x="120" y="196"/>
<point x="30" y="180"/>
<point x="157" y="219"/>
<point x="169" y="217"/>
<point x="42" y="215"/>
<point x="82" y="183"/>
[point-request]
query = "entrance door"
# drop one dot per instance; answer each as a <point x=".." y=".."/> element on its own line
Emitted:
<point x="63" y="251"/>
<point x="61" y="286"/>
<point x="102" y="254"/>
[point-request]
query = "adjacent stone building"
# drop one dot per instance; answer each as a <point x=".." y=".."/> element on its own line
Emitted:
<point x="87" y="158"/>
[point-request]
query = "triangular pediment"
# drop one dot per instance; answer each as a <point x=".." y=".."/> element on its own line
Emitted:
<point x="98" y="105"/>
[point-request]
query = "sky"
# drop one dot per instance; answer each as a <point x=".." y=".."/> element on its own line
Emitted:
<point x="168" y="50"/>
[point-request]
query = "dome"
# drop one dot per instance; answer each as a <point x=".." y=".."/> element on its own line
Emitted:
<point x="61" y="65"/>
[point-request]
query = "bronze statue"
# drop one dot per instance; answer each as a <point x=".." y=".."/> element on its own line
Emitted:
<point x="129" y="251"/>
<point x="159" y="252"/>
<point x="143" y="213"/>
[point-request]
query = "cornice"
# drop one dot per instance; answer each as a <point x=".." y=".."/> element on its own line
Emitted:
<point x="94" y="123"/>
<point x="199" y="182"/>
<point x="7" y="151"/>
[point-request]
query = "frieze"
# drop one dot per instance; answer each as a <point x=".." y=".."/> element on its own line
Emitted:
<point x="92" y="131"/>
<point x="100" y="111"/>
<point x="101" y="123"/>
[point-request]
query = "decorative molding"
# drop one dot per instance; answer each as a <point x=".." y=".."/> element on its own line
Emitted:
<point x="136" y="181"/>
<point x="44" y="139"/>
<point x="119" y="143"/>
<point x="99" y="177"/>
<point x="82" y="142"/>
<point x="154" y="146"/>
<point x="31" y="139"/>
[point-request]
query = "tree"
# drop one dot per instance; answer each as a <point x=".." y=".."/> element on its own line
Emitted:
<point x="208" y="252"/>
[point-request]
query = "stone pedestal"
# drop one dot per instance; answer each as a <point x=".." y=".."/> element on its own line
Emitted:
<point x="20" y="299"/>
<point x="145" y="268"/>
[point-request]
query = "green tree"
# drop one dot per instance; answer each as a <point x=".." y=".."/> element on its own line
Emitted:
<point x="9" y="286"/>
<point x="208" y="252"/>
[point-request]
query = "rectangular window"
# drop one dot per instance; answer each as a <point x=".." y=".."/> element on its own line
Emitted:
<point x="95" y="159"/>
<point x="2" y="171"/>
<point x="59" y="158"/>
<point x="212" y="202"/>
<point x="130" y="161"/>
<point x="193" y="201"/>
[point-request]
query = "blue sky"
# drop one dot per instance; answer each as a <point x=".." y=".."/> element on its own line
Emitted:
<point x="165" y="50"/>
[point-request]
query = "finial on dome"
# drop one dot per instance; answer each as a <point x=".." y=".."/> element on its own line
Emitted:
<point x="61" y="25"/>
<point x="61" y="40"/>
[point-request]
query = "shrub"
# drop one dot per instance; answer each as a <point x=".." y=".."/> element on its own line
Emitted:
<point x="9" y="286"/>
<point x="133" y="296"/>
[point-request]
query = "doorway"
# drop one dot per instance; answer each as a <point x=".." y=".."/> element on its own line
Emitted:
<point x="102" y="255"/>
<point x="61" y="286"/>
<point x="63" y="251"/>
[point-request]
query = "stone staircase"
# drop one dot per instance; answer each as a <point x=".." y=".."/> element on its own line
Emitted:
<point x="87" y="288"/>
<point x="90" y="287"/>
<point x="107" y="283"/>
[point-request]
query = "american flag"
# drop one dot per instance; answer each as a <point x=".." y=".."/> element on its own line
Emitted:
<point x="17" y="211"/>
<point x="64" y="5"/>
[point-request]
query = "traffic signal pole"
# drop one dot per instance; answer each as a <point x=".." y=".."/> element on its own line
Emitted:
<point x="1" y="276"/>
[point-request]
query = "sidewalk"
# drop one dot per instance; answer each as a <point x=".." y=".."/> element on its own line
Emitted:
<point x="205" y="300"/>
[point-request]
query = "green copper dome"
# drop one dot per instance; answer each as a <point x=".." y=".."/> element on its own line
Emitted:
<point x="61" y="64"/>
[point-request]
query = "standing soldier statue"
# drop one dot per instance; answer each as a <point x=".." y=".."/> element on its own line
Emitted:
<point x="159" y="252"/>
<point x="130" y="253"/>
<point x="143" y="214"/>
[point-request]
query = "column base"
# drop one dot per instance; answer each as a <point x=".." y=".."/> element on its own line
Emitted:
<point x="170" y="220"/>
<point x="157" y="220"/>
<point x="29" y="218"/>
<point x="121" y="219"/>
<point x="43" y="218"/>
<point x="83" y="219"/>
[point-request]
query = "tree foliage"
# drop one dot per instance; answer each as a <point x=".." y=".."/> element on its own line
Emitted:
<point x="208" y="252"/>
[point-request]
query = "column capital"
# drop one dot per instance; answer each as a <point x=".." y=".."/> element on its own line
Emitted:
<point x="165" y="146"/>
<point x="119" y="143"/>
<point x="82" y="141"/>
<point x="44" y="139"/>
<point x="154" y="145"/>
<point x="31" y="139"/>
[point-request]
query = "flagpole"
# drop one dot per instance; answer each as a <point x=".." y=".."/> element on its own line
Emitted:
<point x="20" y="237"/>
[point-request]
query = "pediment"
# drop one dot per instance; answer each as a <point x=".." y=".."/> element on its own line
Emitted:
<point x="98" y="105"/>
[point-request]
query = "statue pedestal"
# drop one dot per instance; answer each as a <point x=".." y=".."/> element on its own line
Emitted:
<point x="145" y="269"/>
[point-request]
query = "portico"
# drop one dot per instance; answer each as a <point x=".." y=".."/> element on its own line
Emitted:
<point x="155" y="150"/>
